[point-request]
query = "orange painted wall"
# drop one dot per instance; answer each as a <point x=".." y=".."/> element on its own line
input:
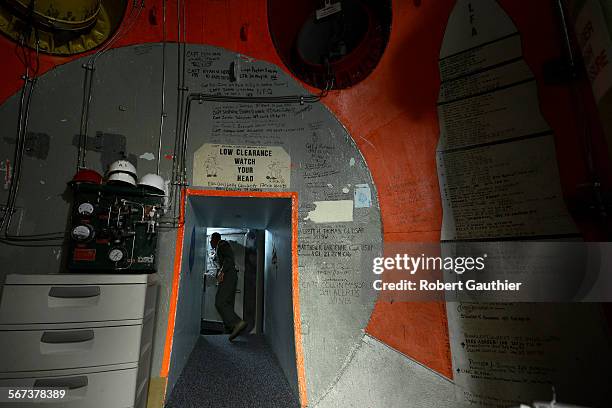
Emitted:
<point x="392" y="117"/>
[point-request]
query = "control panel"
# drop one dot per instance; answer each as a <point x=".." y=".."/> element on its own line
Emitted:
<point x="114" y="228"/>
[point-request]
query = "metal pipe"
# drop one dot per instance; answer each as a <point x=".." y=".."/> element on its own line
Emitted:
<point x="87" y="98"/>
<point x="17" y="166"/>
<point x="131" y="256"/>
<point x="163" y="96"/>
<point x="180" y="84"/>
<point x="568" y="44"/>
<point x="200" y="97"/>
<point x="88" y="82"/>
<point x="8" y="206"/>
<point x="10" y="200"/>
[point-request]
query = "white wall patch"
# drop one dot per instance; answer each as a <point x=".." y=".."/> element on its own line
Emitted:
<point x="331" y="211"/>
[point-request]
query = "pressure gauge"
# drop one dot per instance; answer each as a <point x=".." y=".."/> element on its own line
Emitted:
<point x="82" y="232"/>
<point x="116" y="254"/>
<point x="86" y="209"/>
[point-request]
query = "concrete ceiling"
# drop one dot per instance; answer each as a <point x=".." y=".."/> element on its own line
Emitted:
<point x="238" y="212"/>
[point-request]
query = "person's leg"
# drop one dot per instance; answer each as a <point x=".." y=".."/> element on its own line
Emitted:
<point x="224" y="300"/>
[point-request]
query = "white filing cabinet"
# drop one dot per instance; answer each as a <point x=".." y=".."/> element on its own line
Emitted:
<point x="90" y="334"/>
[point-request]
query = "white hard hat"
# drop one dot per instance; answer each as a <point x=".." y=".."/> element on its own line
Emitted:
<point x="122" y="178"/>
<point x="123" y="166"/>
<point x="153" y="181"/>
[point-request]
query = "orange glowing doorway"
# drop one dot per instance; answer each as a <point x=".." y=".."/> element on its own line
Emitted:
<point x="293" y="196"/>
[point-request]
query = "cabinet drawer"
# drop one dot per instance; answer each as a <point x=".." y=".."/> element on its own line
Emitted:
<point x="50" y="349"/>
<point x="29" y="304"/>
<point x="116" y="389"/>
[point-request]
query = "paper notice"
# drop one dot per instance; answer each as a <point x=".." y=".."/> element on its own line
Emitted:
<point x="234" y="166"/>
<point x="484" y="81"/>
<point x="507" y="354"/>
<point x="503" y="190"/>
<point x="499" y="179"/>
<point x="475" y="23"/>
<point x="363" y="196"/>
<point x="331" y="211"/>
<point x="505" y="113"/>
<point x="496" y="157"/>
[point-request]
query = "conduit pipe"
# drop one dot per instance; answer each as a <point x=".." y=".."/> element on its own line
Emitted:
<point x="181" y="178"/>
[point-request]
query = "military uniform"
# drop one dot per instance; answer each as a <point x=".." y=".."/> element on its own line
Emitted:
<point x="226" y="291"/>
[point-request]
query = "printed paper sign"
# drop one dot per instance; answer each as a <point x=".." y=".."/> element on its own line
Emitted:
<point x="236" y="166"/>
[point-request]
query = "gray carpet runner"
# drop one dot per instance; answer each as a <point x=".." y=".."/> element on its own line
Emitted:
<point x="244" y="373"/>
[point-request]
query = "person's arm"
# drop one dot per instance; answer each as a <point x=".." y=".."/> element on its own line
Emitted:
<point x="225" y="257"/>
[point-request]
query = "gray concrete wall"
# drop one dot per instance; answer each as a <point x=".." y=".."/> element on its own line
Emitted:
<point x="124" y="122"/>
<point x="379" y="376"/>
<point x="335" y="296"/>
<point x="278" y="304"/>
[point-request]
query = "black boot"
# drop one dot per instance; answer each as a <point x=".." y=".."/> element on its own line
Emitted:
<point x="238" y="328"/>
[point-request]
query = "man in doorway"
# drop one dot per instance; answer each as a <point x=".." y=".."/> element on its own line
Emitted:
<point x="227" y="276"/>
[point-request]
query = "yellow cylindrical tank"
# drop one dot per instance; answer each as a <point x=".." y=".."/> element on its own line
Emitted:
<point x="61" y="27"/>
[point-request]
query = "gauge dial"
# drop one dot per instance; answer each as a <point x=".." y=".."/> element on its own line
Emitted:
<point x="86" y="209"/>
<point x="116" y="254"/>
<point x="82" y="232"/>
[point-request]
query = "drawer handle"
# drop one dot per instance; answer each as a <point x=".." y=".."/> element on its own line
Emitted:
<point x="73" y="336"/>
<point x="72" y="383"/>
<point x="74" y="291"/>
